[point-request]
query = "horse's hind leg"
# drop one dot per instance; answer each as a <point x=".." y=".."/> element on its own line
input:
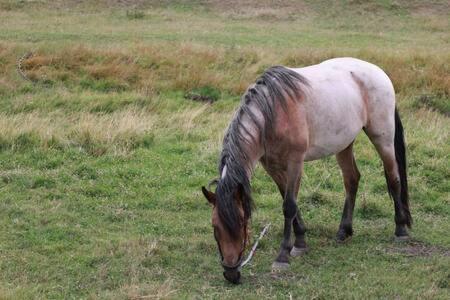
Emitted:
<point x="351" y="176"/>
<point x="397" y="186"/>
<point x="387" y="154"/>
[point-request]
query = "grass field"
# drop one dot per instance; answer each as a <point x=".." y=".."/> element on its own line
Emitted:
<point x="102" y="157"/>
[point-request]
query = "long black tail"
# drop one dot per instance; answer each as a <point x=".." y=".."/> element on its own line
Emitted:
<point x="400" y="156"/>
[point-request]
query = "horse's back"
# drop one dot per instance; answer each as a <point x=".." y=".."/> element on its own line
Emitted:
<point x="345" y="95"/>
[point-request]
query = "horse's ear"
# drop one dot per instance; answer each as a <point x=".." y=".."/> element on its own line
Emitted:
<point x="210" y="196"/>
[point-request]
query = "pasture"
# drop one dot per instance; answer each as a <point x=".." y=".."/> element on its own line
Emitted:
<point x="104" y="149"/>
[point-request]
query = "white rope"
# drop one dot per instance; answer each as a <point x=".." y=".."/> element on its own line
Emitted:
<point x="255" y="245"/>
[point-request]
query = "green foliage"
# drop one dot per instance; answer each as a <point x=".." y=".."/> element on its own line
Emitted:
<point x="102" y="85"/>
<point x="43" y="182"/>
<point x="436" y="102"/>
<point x="135" y="14"/>
<point x="207" y="92"/>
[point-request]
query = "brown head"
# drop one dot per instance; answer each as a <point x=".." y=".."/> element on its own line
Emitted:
<point x="231" y="235"/>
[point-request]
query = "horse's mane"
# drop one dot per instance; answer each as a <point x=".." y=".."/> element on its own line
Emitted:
<point x="275" y="86"/>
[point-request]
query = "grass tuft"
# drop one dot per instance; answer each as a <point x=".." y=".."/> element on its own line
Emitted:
<point x="438" y="103"/>
<point x="135" y="14"/>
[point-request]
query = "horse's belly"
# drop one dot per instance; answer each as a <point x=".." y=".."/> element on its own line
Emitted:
<point x="331" y="143"/>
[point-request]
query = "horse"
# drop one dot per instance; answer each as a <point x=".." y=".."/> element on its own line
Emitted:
<point x="293" y="115"/>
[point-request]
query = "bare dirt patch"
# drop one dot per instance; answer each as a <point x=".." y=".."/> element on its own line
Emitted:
<point x="265" y="9"/>
<point x="418" y="249"/>
<point x="427" y="8"/>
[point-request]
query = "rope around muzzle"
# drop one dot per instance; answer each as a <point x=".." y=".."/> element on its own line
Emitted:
<point x="255" y="245"/>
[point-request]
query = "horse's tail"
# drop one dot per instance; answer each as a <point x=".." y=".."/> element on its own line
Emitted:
<point x="400" y="157"/>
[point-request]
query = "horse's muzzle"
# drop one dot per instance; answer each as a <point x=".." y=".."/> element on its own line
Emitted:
<point x="233" y="273"/>
<point x="232" y="276"/>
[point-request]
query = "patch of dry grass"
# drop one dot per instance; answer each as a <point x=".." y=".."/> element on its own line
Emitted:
<point x="187" y="66"/>
<point x="265" y="9"/>
<point x="151" y="70"/>
<point x="410" y="71"/>
<point x="150" y="291"/>
<point x="160" y="67"/>
<point x="139" y="254"/>
<point x="117" y="132"/>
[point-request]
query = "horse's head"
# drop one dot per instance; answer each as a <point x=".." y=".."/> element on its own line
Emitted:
<point x="231" y="240"/>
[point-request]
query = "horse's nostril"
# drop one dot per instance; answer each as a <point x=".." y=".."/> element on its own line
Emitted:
<point x="232" y="276"/>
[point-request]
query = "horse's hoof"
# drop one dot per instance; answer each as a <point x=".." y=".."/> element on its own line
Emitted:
<point x="279" y="266"/>
<point x="298" y="251"/>
<point x="402" y="238"/>
<point x="343" y="239"/>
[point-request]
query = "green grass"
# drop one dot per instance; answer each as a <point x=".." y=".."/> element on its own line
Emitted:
<point x="102" y="158"/>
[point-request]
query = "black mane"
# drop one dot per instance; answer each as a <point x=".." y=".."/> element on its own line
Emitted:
<point x="275" y="86"/>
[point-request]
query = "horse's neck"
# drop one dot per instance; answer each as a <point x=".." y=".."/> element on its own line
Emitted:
<point x="252" y="156"/>
<point x="252" y="165"/>
<point x="254" y="150"/>
<point x="243" y="138"/>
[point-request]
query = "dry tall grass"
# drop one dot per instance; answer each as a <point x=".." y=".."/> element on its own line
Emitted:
<point x="118" y="132"/>
<point x="150" y="70"/>
<point x="169" y="66"/>
<point x="79" y="71"/>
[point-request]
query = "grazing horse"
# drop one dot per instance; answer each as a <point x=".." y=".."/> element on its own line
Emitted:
<point x="293" y="115"/>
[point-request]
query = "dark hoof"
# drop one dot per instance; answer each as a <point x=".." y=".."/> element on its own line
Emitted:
<point x="401" y="233"/>
<point x="342" y="237"/>
<point x="279" y="266"/>
<point x="298" y="251"/>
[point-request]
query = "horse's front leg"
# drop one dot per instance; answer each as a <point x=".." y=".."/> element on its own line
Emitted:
<point x="294" y="171"/>
<point x="300" y="246"/>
